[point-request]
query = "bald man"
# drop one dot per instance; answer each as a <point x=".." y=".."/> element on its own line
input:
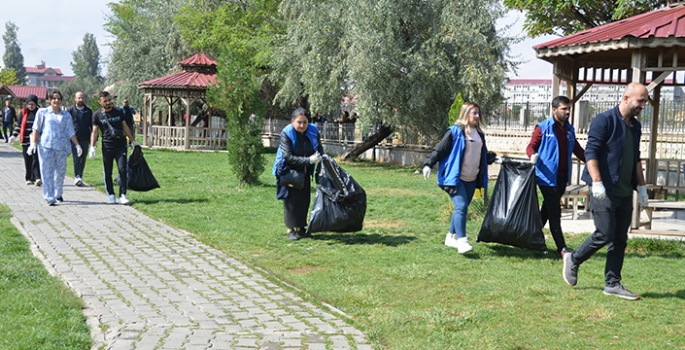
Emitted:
<point x="613" y="171"/>
<point x="83" y="127"/>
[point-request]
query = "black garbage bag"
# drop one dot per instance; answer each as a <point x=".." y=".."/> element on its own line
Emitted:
<point x="139" y="176"/>
<point x="513" y="215"/>
<point x="339" y="204"/>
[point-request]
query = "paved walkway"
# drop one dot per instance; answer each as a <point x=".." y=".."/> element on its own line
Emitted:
<point x="147" y="285"/>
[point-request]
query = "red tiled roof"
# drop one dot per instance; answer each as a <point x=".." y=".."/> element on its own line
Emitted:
<point x="23" y="91"/>
<point x="42" y="70"/>
<point x="182" y="79"/>
<point x="56" y="78"/>
<point x="662" y="23"/>
<point x="199" y="59"/>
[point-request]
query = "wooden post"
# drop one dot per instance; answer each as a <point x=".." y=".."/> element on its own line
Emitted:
<point x="186" y="139"/>
<point x="652" y="163"/>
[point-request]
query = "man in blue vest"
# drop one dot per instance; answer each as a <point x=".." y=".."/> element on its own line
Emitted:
<point x="614" y="170"/>
<point x="550" y="148"/>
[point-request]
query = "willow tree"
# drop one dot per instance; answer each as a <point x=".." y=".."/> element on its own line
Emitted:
<point x="406" y="59"/>
<point x="147" y="44"/>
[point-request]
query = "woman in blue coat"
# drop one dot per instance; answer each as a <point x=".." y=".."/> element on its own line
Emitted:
<point x="462" y="157"/>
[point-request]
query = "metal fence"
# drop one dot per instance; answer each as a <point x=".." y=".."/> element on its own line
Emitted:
<point x="524" y="116"/>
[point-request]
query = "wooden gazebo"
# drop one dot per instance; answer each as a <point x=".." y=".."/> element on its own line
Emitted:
<point x="188" y="86"/>
<point x="646" y="48"/>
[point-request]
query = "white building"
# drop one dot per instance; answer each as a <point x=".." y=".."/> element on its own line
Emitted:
<point x="49" y="77"/>
<point x="540" y="90"/>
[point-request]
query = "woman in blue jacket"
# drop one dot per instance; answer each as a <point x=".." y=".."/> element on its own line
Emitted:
<point x="300" y="150"/>
<point x="462" y="158"/>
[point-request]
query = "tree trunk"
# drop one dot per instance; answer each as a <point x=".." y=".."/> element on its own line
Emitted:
<point x="370" y="142"/>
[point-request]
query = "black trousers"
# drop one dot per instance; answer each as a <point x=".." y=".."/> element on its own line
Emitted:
<point x="109" y="156"/>
<point x="612" y="217"/>
<point x="296" y="206"/>
<point x="551" y="210"/>
<point x="31" y="164"/>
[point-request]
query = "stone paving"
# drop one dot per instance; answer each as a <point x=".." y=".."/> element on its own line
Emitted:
<point x="146" y="285"/>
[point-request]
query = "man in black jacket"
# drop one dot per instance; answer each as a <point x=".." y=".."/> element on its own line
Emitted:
<point x="83" y="127"/>
<point x="9" y="116"/>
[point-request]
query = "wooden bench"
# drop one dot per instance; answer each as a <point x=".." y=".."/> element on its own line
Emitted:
<point x="574" y="193"/>
<point x="653" y="204"/>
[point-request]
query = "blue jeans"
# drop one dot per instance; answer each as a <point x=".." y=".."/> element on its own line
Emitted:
<point x="461" y="201"/>
<point x="612" y="220"/>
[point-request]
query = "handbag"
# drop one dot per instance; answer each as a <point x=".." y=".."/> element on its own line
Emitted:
<point x="293" y="179"/>
<point x="115" y="133"/>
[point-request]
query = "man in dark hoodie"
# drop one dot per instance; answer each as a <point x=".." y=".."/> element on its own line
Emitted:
<point x="9" y="116"/>
<point x="83" y="127"/>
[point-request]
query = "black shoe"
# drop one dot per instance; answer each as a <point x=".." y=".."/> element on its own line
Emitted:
<point x="563" y="251"/>
<point x="51" y="204"/>
<point x="60" y="199"/>
<point x="293" y="236"/>
<point x="304" y="234"/>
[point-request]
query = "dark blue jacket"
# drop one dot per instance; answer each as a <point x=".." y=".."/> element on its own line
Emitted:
<point x="605" y="142"/>
<point x="83" y="127"/>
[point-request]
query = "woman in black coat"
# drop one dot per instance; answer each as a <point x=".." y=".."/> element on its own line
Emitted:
<point x="300" y="150"/>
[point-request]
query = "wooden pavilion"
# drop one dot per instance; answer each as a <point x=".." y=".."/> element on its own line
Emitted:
<point x="646" y="48"/>
<point x="188" y="86"/>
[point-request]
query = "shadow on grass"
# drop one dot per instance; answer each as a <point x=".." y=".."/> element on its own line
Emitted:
<point x="511" y="251"/>
<point x="679" y="294"/>
<point x="363" y="238"/>
<point x="172" y="200"/>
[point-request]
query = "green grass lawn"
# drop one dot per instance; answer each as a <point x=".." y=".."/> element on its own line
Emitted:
<point x="37" y="311"/>
<point x="397" y="280"/>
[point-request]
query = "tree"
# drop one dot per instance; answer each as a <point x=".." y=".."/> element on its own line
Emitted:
<point x="249" y="26"/>
<point x="8" y="77"/>
<point x="147" y="43"/>
<point x="236" y="92"/>
<point x="564" y="17"/>
<point x="405" y="59"/>
<point x="86" y="58"/>
<point x="88" y="85"/>
<point x="13" y="58"/>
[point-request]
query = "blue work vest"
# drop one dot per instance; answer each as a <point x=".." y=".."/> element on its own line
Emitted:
<point x="312" y="134"/>
<point x="449" y="168"/>
<point x="547" y="167"/>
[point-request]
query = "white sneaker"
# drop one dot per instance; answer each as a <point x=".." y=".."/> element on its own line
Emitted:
<point x="123" y="200"/>
<point x="450" y="241"/>
<point x="78" y="182"/>
<point x="112" y="199"/>
<point x="463" y="245"/>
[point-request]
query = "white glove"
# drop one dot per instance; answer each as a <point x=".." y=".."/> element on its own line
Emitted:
<point x="32" y="149"/>
<point x="426" y="172"/>
<point x="79" y="151"/>
<point x="136" y="144"/>
<point x="534" y="158"/>
<point x="642" y="197"/>
<point x="498" y="160"/>
<point x="12" y="139"/>
<point x="91" y="152"/>
<point x="315" y="158"/>
<point x="598" y="190"/>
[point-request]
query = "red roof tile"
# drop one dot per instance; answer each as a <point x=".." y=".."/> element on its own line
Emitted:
<point x="662" y="23"/>
<point x="42" y="70"/>
<point x="199" y="59"/>
<point x="23" y="91"/>
<point x="182" y="79"/>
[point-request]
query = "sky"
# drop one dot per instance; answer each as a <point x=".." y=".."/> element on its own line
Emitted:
<point x="56" y="29"/>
